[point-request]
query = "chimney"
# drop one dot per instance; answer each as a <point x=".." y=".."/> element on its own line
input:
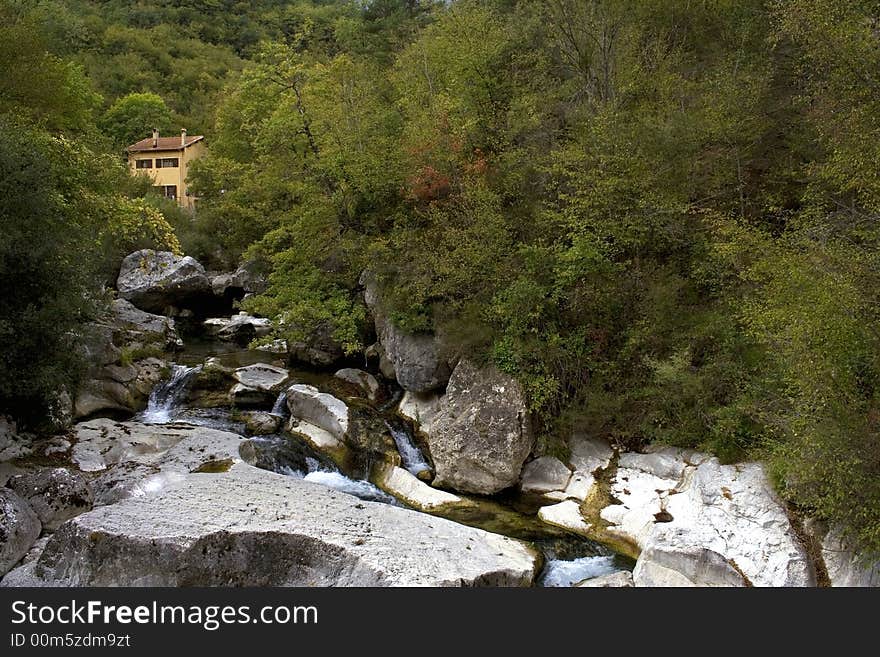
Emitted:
<point x="155" y="138"/>
<point x="183" y="137"/>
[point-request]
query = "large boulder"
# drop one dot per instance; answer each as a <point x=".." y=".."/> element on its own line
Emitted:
<point x="248" y="527"/>
<point x="697" y="522"/>
<point x="320" y="409"/>
<point x="55" y="494"/>
<point x="419" y="361"/>
<point x="143" y="328"/>
<point x="364" y="381"/>
<point x="257" y="385"/>
<point x="19" y="529"/>
<point x="156" y="280"/>
<point x="482" y="435"/>
<point x="118" y="387"/>
<point x="122" y="355"/>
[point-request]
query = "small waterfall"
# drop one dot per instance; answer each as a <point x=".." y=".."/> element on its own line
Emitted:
<point x="559" y="573"/>
<point x="280" y="408"/>
<point x="169" y="395"/>
<point x="411" y="456"/>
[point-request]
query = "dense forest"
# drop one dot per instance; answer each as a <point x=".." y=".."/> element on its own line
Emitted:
<point x="661" y="216"/>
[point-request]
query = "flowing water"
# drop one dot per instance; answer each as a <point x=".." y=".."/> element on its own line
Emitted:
<point x="568" y="559"/>
<point x="279" y="409"/>
<point x="559" y="573"/>
<point x="410" y="455"/>
<point x="169" y="396"/>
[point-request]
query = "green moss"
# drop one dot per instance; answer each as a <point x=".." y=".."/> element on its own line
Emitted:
<point x="131" y="355"/>
<point x="598" y="498"/>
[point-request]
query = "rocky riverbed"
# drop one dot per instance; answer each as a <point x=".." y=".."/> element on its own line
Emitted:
<point x="189" y="459"/>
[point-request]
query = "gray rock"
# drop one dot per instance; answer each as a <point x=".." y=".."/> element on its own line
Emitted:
<point x="136" y="325"/>
<point x="685" y="566"/>
<point x="618" y="580"/>
<point x="360" y="379"/>
<point x="12" y="445"/>
<point x="154" y="280"/>
<point x="19" y="529"/>
<point x="422" y="410"/>
<point x="238" y="328"/>
<point x="418" y="361"/>
<point x="35" y="551"/>
<point x="845" y="566"/>
<point x="262" y="377"/>
<point x="544" y="474"/>
<point x="236" y="284"/>
<point x="55" y="494"/>
<point x="118" y="387"/>
<point x="102" y="443"/>
<point x="252" y="528"/>
<point x="243" y="396"/>
<point x="259" y="423"/>
<point x="319" y="409"/>
<point x="114" y="384"/>
<point x="96" y="345"/>
<point x="483" y="434"/>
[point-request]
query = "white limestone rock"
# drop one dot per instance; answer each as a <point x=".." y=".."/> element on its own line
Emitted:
<point x="566" y="515"/>
<point x="698" y="521"/>
<point x="249" y="527"/>
<point x="407" y="487"/>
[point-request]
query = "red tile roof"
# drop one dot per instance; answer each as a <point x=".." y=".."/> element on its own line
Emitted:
<point x="164" y="144"/>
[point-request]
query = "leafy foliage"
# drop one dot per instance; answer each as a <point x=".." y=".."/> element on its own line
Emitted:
<point x="660" y="216"/>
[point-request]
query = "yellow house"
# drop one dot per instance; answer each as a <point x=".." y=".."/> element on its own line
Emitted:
<point x="166" y="160"/>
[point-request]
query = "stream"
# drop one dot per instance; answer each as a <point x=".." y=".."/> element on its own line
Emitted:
<point x="568" y="558"/>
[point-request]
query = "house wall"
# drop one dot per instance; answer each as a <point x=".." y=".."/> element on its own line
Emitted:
<point x="170" y="176"/>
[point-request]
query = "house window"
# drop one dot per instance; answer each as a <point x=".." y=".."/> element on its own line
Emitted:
<point x="167" y="163"/>
<point x="144" y="164"/>
<point x="169" y="191"/>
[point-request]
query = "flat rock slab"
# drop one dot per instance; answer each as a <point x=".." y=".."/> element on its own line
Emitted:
<point x="102" y="443"/>
<point x="248" y="527"/>
<point x="262" y="377"/>
<point x="565" y="515"/>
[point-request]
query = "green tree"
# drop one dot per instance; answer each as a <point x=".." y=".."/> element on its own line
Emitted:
<point x="134" y="116"/>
